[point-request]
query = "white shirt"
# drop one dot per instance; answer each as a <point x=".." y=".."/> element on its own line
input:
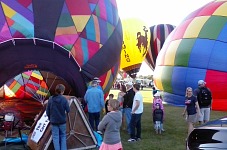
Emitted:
<point x="138" y="97"/>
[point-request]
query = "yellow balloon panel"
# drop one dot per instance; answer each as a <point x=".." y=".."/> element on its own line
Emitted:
<point x="136" y="37"/>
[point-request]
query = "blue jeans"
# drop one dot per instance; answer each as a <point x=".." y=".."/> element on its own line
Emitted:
<point x="94" y="118"/>
<point x="136" y="123"/>
<point x="59" y="136"/>
<point x="128" y="115"/>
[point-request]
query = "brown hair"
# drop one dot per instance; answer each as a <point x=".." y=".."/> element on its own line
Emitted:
<point x="114" y="104"/>
<point x="123" y="88"/>
<point x="136" y="86"/>
<point x="59" y="89"/>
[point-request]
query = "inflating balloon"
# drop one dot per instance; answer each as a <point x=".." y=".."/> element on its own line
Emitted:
<point x="159" y="33"/>
<point x="75" y="40"/>
<point x="196" y="50"/>
<point x="135" y="45"/>
<point x="33" y="84"/>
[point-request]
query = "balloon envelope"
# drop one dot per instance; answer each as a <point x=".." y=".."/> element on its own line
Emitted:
<point x="196" y="50"/>
<point x="73" y="39"/>
<point x="34" y="84"/>
<point x="159" y="33"/>
<point x="135" y="45"/>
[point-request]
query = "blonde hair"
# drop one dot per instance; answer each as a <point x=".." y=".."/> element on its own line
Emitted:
<point x="114" y="104"/>
<point x="188" y="88"/>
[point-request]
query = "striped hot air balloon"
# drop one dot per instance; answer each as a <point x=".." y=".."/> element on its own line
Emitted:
<point x="159" y="33"/>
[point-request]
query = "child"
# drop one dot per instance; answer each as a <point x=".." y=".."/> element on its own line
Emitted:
<point x="158" y="118"/>
<point x="110" y="127"/>
<point x="158" y="100"/>
<point x="111" y="96"/>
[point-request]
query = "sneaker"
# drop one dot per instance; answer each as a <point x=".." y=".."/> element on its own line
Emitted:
<point x="131" y="140"/>
<point x="138" y="139"/>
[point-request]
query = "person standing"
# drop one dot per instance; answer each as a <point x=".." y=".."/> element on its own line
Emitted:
<point x="158" y="117"/>
<point x="94" y="98"/>
<point x="137" y="110"/>
<point x="110" y="126"/>
<point x="111" y="96"/>
<point x="204" y="98"/>
<point x="56" y="110"/>
<point x="120" y="98"/>
<point x="191" y="104"/>
<point x="127" y="104"/>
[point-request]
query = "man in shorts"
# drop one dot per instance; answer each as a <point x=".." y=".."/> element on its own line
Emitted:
<point x="204" y="98"/>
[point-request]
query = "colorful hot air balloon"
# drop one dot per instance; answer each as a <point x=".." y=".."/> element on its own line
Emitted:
<point x="196" y="50"/>
<point x="72" y="39"/>
<point x="33" y="84"/>
<point x="159" y="33"/>
<point x="135" y="45"/>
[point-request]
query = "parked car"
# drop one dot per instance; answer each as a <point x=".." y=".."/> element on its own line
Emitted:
<point x="210" y="136"/>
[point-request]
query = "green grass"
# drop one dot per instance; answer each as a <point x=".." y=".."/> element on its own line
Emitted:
<point x="174" y="124"/>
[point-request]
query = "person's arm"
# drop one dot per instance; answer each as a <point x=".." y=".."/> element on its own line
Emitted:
<point x="67" y="106"/>
<point x="85" y="97"/>
<point x="154" y="115"/>
<point x="102" y="100"/>
<point x="103" y="123"/>
<point x="48" y="109"/>
<point x="185" y="110"/>
<point x="136" y="106"/>
<point x="198" y="109"/>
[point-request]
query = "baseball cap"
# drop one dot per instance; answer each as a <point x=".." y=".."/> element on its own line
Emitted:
<point x="129" y="83"/>
<point x="157" y="94"/>
<point x="201" y="82"/>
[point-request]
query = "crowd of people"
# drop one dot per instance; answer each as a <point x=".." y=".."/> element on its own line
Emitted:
<point x="124" y="112"/>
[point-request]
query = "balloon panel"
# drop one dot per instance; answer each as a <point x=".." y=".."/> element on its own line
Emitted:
<point x="136" y="38"/>
<point x="108" y="79"/>
<point x="159" y="34"/>
<point x="196" y="50"/>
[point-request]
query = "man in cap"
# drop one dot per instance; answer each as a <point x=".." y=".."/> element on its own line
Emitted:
<point x="204" y="98"/>
<point x="127" y="104"/>
<point x="94" y="98"/>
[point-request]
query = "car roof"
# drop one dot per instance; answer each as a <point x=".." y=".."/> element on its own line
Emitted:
<point x="221" y="122"/>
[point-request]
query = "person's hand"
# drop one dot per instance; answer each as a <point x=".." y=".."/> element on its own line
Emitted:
<point x="199" y="114"/>
<point x="183" y="114"/>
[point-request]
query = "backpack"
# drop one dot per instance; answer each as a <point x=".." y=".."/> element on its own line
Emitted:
<point x="204" y="97"/>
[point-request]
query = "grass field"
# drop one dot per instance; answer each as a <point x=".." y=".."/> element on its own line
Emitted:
<point x="174" y="124"/>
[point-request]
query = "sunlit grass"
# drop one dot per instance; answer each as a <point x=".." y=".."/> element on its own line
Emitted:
<point x="176" y="128"/>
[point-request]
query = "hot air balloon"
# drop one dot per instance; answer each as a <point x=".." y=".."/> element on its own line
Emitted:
<point x="159" y="33"/>
<point x="33" y="84"/>
<point x="135" y="45"/>
<point x="196" y="50"/>
<point x="72" y="40"/>
<point x="108" y="79"/>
